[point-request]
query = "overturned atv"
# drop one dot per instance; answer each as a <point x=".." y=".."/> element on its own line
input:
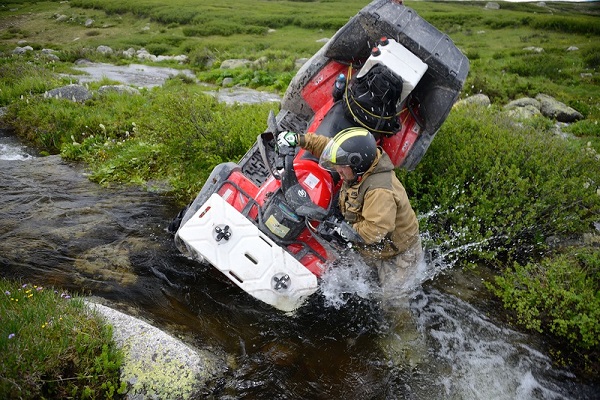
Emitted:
<point x="268" y="222"/>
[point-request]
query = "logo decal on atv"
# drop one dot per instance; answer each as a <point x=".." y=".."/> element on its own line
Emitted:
<point x="302" y="193"/>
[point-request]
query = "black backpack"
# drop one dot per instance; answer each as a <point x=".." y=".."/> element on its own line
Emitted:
<point x="371" y="100"/>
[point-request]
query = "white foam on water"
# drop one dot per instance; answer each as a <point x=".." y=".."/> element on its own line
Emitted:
<point x="484" y="361"/>
<point x="348" y="275"/>
<point x="13" y="153"/>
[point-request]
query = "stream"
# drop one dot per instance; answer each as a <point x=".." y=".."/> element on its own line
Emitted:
<point x="59" y="229"/>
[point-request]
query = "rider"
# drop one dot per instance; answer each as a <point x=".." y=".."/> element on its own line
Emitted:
<point x="372" y="200"/>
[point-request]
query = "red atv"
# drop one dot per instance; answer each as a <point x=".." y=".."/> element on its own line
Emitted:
<point x="268" y="221"/>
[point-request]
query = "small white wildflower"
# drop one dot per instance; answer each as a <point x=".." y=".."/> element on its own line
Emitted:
<point x="102" y="127"/>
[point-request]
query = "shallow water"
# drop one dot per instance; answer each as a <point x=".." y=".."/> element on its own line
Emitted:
<point x="144" y="76"/>
<point x="57" y="228"/>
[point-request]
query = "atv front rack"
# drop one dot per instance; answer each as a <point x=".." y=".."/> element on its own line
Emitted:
<point x="232" y="243"/>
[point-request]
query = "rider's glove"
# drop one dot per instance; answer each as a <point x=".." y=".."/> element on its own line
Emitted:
<point x="347" y="232"/>
<point x="341" y="232"/>
<point x="286" y="138"/>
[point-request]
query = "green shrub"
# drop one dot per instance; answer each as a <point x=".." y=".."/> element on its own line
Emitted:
<point x="494" y="190"/>
<point x="540" y="64"/>
<point x="52" y="346"/>
<point x="559" y="295"/>
<point x="196" y="132"/>
<point x="584" y="128"/>
<point x="159" y="49"/>
<point x="51" y="123"/>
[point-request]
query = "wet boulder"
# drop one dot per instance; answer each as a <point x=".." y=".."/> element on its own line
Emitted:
<point x="157" y="365"/>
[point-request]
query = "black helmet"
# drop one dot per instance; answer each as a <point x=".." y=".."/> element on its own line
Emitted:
<point x="355" y="147"/>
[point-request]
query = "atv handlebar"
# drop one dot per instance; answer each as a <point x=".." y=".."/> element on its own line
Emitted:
<point x="295" y="195"/>
<point x="340" y="231"/>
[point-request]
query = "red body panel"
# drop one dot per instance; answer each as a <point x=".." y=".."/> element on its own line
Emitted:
<point x="397" y="146"/>
<point x="317" y="183"/>
<point x="239" y="199"/>
<point x="317" y="93"/>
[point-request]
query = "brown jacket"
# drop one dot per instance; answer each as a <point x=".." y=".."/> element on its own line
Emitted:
<point x="376" y="205"/>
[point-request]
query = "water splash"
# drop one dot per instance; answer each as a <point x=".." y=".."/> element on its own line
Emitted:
<point x="346" y="277"/>
<point x="10" y="152"/>
<point x="480" y="359"/>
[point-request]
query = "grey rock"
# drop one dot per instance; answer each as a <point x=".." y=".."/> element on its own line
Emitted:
<point x="552" y="108"/>
<point x="143" y="54"/>
<point x="129" y="53"/>
<point x="121" y="89"/>
<point x="76" y="93"/>
<point x="492" y="5"/>
<point x="89" y="22"/>
<point x="157" y="365"/>
<point x="235" y="63"/>
<point x="52" y="57"/>
<point x="522" y="102"/>
<point x="83" y="61"/>
<point x="104" y="49"/>
<point x="523" y="112"/>
<point x="477" y="99"/>
<point x="22" y="50"/>
<point x="534" y="49"/>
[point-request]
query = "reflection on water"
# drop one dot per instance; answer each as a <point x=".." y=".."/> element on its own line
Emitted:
<point x="57" y="228"/>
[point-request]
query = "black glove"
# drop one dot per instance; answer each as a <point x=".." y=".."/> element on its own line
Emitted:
<point x="341" y="231"/>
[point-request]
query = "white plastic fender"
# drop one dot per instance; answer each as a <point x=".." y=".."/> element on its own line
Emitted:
<point x="235" y="246"/>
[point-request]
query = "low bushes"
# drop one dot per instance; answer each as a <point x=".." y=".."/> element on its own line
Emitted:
<point x="558" y="294"/>
<point x="492" y="191"/>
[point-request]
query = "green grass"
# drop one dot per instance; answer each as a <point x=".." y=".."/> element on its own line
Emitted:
<point x="52" y="346"/>
<point x="506" y="187"/>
